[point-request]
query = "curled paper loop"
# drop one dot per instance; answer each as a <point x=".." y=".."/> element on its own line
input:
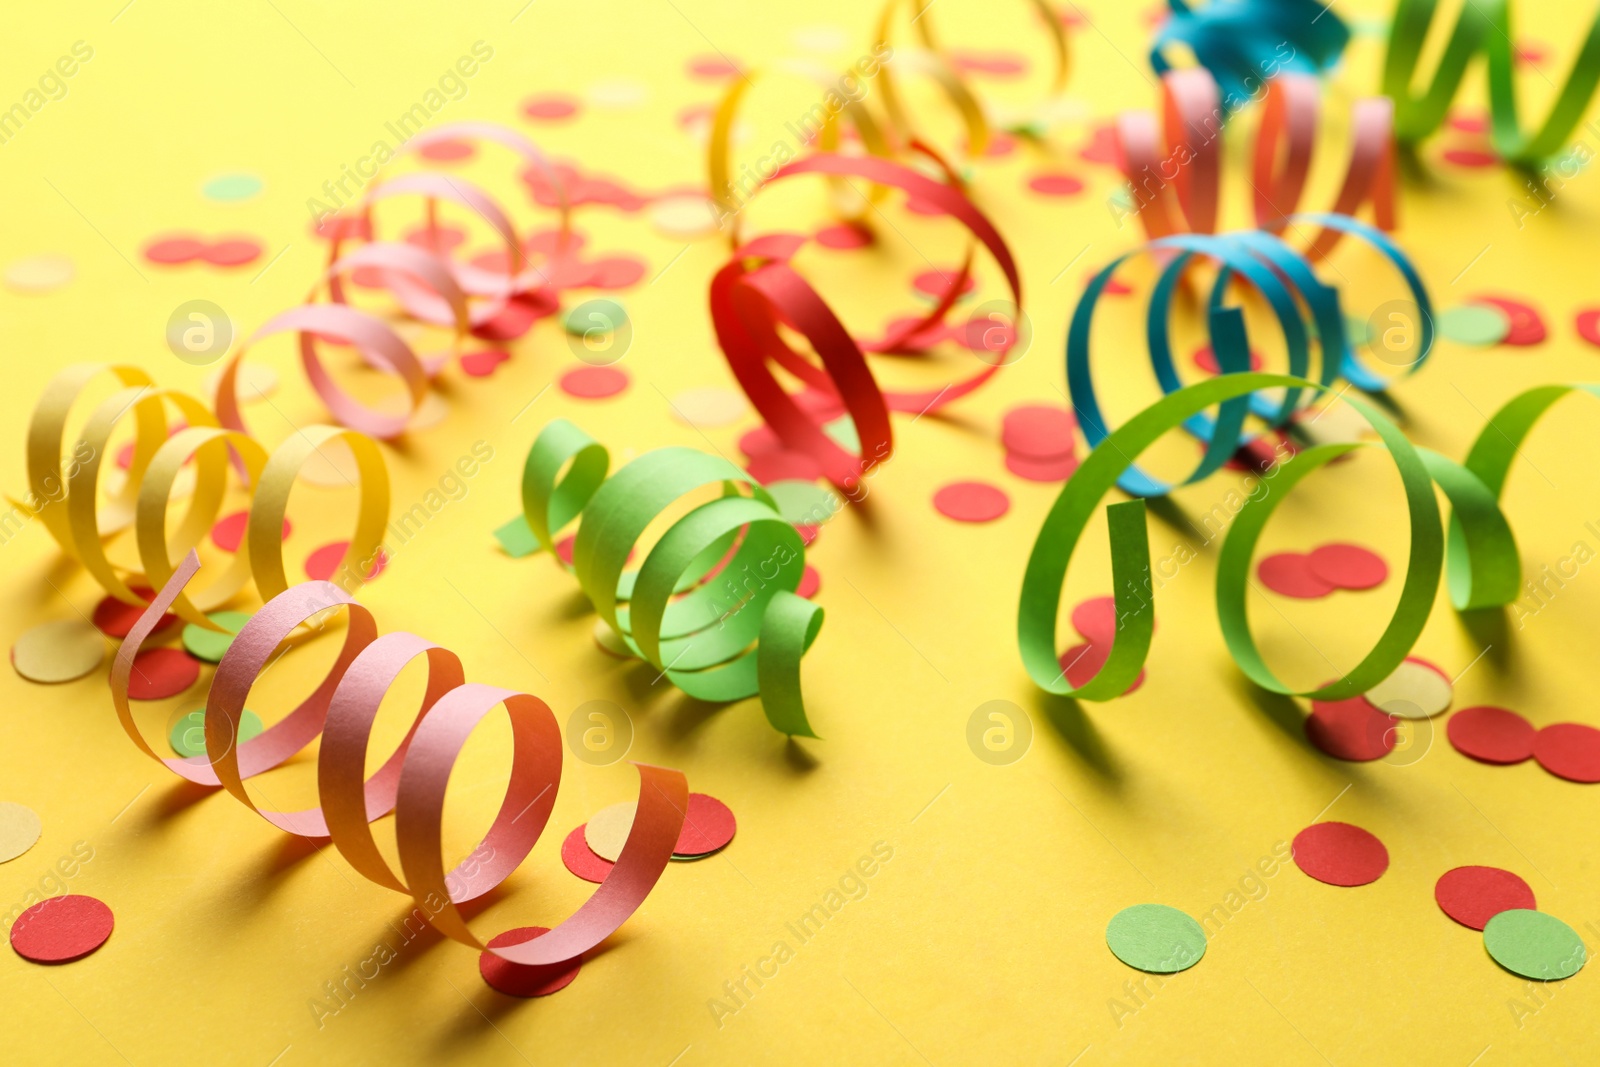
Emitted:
<point x="413" y="780"/>
<point x="758" y="289"/>
<point x="1285" y="280"/>
<point x="65" y="486"/>
<point x="713" y="606"/>
<point x="1483" y="25"/>
<point x="1174" y="169"/>
<point x="1476" y="551"/>
<point x="1243" y="43"/>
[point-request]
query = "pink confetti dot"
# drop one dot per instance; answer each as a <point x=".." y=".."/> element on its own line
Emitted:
<point x="1588" y="324"/>
<point x="482" y="364"/>
<point x="594" y="383"/>
<point x="936" y="283"/>
<point x="1470" y="157"/>
<point x="170" y="251"/>
<point x="971" y="502"/>
<point x="844" y="236"/>
<point x="448" y="151"/>
<point x="810" y="583"/>
<point x="550" y="107"/>
<point x="711" y="68"/>
<point x="323" y="562"/>
<point x="232" y="253"/>
<point x="616" y="272"/>
<point x="228" y="533"/>
<point x="1055" y="184"/>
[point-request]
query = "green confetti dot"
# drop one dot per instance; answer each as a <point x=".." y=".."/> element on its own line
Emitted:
<point x="1155" y="938"/>
<point x="231" y="187"/>
<point x="843" y="432"/>
<point x="602" y="314"/>
<point x="1356" y="330"/>
<point x="189" y="733"/>
<point x="1534" y="945"/>
<point x="209" y="645"/>
<point x="804" y="503"/>
<point x="1474" y="324"/>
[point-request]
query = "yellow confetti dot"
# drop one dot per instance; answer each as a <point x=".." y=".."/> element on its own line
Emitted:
<point x="1413" y="691"/>
<point x="684" y="216"/>
<point x="607" y="831"/>
<point x="39" y="274"/>
<point x="618" y="93"/>
<point x="58" y="651"/>
<point x="709" y="406"/>
<point x="19" y="829"/>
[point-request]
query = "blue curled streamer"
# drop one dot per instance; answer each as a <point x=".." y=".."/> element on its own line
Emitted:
<point x="1285" y="280"/>
<point x="1240" y="41"/>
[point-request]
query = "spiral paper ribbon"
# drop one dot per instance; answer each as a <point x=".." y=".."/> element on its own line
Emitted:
<point x="66" y="491"/>
<point x="1177" y="186"/>
<point x="759" y="288"/>
<point x="412" y="781"/>
<point x="1483" y="25"/>
<point x="681" y="612"/>
<point x="1245" y="41"/>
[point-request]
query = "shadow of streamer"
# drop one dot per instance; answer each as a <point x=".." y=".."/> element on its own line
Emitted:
<point x="1073" y="725"/>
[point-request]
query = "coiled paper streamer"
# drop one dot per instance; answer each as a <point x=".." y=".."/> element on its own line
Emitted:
<point x="412" y="781"/>
<point x="1188" y="199"/>
<point x="1245" y="41"/>
<point x="1285" y="280"/>
<point x="759" y="288"/>
<point x="83" y="521"/>
<point x="1483" y="25"/>
<point x="693" y="625"/>
<point x="429" y="285"/>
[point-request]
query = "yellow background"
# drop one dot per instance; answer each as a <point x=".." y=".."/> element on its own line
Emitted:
<point x="982" y="939"/>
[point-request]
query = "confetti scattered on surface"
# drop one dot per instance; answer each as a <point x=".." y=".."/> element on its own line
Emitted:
<point x="1526" y="324"/>
<point x="1474" y="324"/>
<point x="1346" y="566"/>
<point x="708" y="826"/>
<point x="323" y="562"/>
<point x="1290" y="574"/>
<point x="594" y="383"/>
<point x="1534" y="945"/>
<point x="1491" y="735"/>
<point x="1416" y="690"/>
<point x="1056" y="184"/>
<point x="1474" y="895"/>
<point x="230" y="188"/>
<point x="114" y="618"/>
<point x="61" y="929"/>
<point x="1569" y="750"/>
<point x="188" y="734"/>
<point x="844" y="236"/>
<point x="159" y="673"/>
<point x="209" y="645"/>
<point x="1350" y="729"/>
<point x="684" y="216"/>
<point x="1340" y="854"/>
<point x="228" y="533"/>
<point x="607" y="830"/>
<point x="59" y="651"/>
<point x="971" y="502"/>
<point x="38" y="274"/>
<point x="524" y="980"/>
<point x="1155" y="938"/>
<point x="19" y="830"/>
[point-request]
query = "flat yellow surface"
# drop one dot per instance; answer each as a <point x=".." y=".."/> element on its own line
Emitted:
<point x="980" y="937"/>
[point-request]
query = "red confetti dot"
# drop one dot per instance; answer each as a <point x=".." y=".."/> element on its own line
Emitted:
<point x="1096" y="620"/>
<point x="482" y="364"/>
<point x="234" y="253"/>
<point x="712" y="68"/>
<point x="550" y="107"/>
<point x="174" y="250"/>
<point x="971" y="502"/>
<point x="228" y="533"/>
<point x="936" y="283"/>
<point x="808" y="533"/>
<point x="1569" y="750"/>
<point x="446" y="151"/>
<point x="1477" y="122"/>
<point x="1527" y="325"/>
<point x="593" y="383"/>
<point x="781" y="466"/>
<point x="1340" y="854"/>
<point x="1038" y="431"/>
<point x="114" y="618"/>
<point x="1474" y="895"/>
<point x="844" y="236"/>
<point x="1589" y="325"/>
<point x="1206" y="360"/>
<point x="1345" y="566"/>
<point x="616" y="272"/>
<point x="1103" y="147"/>
<point x="60" y="929"/>
<point x="1290" y="574"/>
<point x="1041" y="470"/>
<point x="759" y="440"/>
<point x="1491" y="735"/>
<point x="323" y="562"/>
<point x="1470" y="157"/>
<point x="1081" y="663"/>
<point x="159" y="673"/>
<point x="564" y="548"/>
<point x="1055" y="184"/>
<point x="708" y="825"/>
<point x="1350" y="729"/>
<point x="810" y="582"/>
<point x="581" y="860"/>
<point x="517" y="317"/>
<point x="439" y="239"/>
<point x="520" y="979"/>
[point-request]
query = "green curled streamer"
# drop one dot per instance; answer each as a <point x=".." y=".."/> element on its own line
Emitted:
<point x="723" y="636"/>
<point x="1482" y="548"/>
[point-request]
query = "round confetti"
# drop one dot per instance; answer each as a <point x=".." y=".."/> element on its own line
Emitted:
<point x="39" y="274"/>
<point x="708" y="825"/>
<point x="810" y="583"/>
<point x="844" y="236"/>
<point x="19" y="829"/>
<point x="188" y="734"/>
<point x="234" y="253"/>
<point x="1527" y="325"/>
<point x="550" y="107"/>
<point x="1289" y="574"/>
<point x="1491" y="735"/>
<point x="971" y="502"/>
<point x="1416" y="690"/>
<point x="1474" y="895"/>
<point x="1474" y="324"/>
<point x="1096" y="620"/>
<point x="231" y="187"/>
<point x="1569" y="750"/>
<point x="684" y="216"/>
<point x="711" y="68"/>
<point x="59" y="929"/>
<point x="1038" y="431"/>
<point x="1534" y="945"/>
<point x="1041" y="470"/>
<point x="1081" y="663"/>
<point x="228" y="533"/>
<point x="1588" y="324"/>
<point x="1155" y="938"/>
<point x="710" y="406"/>
<point x="936" y="283"/>
<point x="618" y="93"/>
<point x="58" y="651"/>
<point x="174" y="250"/>
<point x="1055" y="184"/>
<point x="1348" y="566"/>
<point x="804" y="503"/>
<point x="1340" y="854"/>
<point x="324" y="561"/>
<point x="447" y="151"/>
<point x="520" y="979"/>
<point x="594" y="383"/>
<point x="617" y="272"/>
<point x="159" y="673"/>
<point x="1350" y="729"/>
<point x="607" y="831"/>
<point x="783" y="466"/>
<point x="1476" y="158"/>
<point x="482" y="364"/>
<point x="209" y="645"/>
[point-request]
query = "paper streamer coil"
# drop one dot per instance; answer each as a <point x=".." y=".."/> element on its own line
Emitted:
<point x="1245" y="42"/>
<point x="66" y="491"/>
<point x="1174" y="169"/>
<point x="758" y="289"/>
<point x="412" y="781"/>
<point x="1476" y="551"/>
<point x="720" y="579"/>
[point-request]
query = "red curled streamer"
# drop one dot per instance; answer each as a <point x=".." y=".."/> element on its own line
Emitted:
<point x="758" y="289"/>
<point x="413" y="780"/>
<point x="1190" y="164"/>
